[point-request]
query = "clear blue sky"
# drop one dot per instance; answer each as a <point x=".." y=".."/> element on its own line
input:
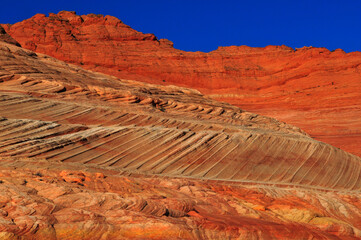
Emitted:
<point x="201" y="25"/>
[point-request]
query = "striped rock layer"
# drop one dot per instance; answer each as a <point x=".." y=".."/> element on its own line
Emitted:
<point x="89" y="156"/>
<point x="313" y="88"/>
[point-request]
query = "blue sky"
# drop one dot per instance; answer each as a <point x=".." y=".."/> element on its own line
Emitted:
<point x="201" y="25"/>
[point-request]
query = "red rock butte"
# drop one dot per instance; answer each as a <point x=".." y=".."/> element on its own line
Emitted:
<point x="313" y="88"/>
<point x="85" y="155"/>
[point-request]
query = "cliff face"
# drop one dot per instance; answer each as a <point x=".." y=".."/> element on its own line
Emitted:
<point x="84" y="155"/>
<point x="4" y="37"/>
<point x="312" y="88"/>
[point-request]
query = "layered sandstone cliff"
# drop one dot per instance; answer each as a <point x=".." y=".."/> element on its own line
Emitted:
<point x="312" y="88"/>
<point x="85" y="155"/>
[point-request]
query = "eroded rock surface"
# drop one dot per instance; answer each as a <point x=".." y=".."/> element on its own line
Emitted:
<point x="85" y="155"/>
<point x="312" y="88"/>
<point x="78" y="204"/>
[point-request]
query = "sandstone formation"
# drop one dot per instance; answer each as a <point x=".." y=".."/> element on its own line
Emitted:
<point x="85" y="155"/>
<point x="312" y="88"/>
<point x="86" y="204"/>
<point x="4" y="37"/>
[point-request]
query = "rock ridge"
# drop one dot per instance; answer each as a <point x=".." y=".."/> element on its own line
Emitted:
<point x="313" y="88"/>
<point x="85" y="155"/>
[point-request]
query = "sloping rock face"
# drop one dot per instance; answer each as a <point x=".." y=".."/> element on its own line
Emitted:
<point x="85" y="155"/>
<point x="313" y="88"/>
<point x="4" y="37"/>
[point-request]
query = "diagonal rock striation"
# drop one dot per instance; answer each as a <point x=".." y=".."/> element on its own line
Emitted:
<point x="313" y="88"/>
<point x="84" y="155"/>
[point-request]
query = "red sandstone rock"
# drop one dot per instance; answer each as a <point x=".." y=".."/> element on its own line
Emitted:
<point x="4" y="37"/>
<point x="312" y="88"/>
<point x="140" y="207"/>
<point x="84" y="155"/>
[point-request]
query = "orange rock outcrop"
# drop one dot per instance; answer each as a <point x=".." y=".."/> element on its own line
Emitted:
<point x="313" y="88"/>
<point x="84" y="155"/>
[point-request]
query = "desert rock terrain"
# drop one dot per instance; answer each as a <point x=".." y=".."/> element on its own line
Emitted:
<point x="312" y="88"/>
<point x="85" y="155"/>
